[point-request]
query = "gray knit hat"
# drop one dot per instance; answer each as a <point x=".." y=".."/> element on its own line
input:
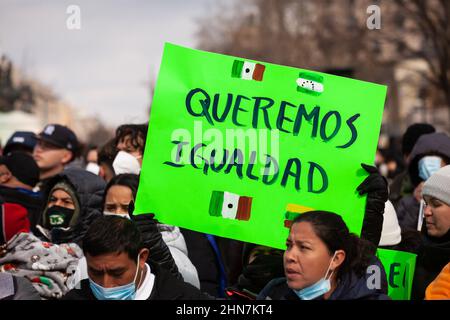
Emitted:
<point x="438" y="185"/>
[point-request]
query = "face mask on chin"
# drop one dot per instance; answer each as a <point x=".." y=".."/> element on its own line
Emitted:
<point x="317" y="289"/>
<point x="126" y="163"/>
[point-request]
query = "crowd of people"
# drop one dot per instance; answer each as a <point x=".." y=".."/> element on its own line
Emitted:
<point x="67" y="230"/>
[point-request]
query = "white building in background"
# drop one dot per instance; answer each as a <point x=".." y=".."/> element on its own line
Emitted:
<point x="17" y="121"/>
<point x="47" y="108"/>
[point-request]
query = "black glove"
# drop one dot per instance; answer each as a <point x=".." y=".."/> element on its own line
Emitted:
<point x="376" y="187"/>
<point x="153" y="241"/>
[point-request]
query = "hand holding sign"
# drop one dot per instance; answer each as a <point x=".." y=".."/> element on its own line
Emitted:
<point x="376" y="188"/>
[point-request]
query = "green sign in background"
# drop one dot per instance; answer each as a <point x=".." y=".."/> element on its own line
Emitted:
<point x="399" y="267"/>
<point x="181" y="195"/>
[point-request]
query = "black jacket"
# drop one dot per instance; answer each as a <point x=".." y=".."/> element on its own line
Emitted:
<point x="351" y="287"/>
<point x="89" y="190"/>
<point x="429" y="144"/>
<point x="32" y="202"/>
<point x="203" y="257"/>
<point x="166" y="287"/>
<point x="433" y="255"/>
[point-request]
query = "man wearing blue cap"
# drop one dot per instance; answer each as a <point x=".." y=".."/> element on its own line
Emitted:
<point x="23" y="141"/>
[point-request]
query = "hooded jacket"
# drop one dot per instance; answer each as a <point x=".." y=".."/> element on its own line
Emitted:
<point x="350" y="287"/>
<point x="429" y="144"/>
<point x="88" y="189"/>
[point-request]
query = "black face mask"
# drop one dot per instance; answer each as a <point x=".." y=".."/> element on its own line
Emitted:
<point x="58" y="217"/>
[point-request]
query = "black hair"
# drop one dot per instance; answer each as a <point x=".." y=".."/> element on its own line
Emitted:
<point x="111" y="234"/>
<point x="332" y="230"/>
<point x="137" y="133"/>
<point x="107" y="153"/>
<point x="126" y="179"/>
<point x="413" y="133"/>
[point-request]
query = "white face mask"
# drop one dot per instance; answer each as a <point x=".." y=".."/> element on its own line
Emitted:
<point x="93" y="167"/>
<point x="126" y="163"/>
<point x="122" y="215"/>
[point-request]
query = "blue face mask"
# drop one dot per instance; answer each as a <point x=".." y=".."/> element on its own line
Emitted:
<point x="317" y="289"/>
<point x="125" y="292"/>
<point x="429" y="165"/>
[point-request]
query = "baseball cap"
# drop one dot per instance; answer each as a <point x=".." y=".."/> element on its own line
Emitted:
<point x="60" y="136"/>
<point x="26" y="139"/>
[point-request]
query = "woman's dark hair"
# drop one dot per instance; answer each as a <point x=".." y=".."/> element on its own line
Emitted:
<point x="333" y="231"/>
<point x="127" y="180"/>
<point x="111" y="234"/>
<point x="137" y="133"/>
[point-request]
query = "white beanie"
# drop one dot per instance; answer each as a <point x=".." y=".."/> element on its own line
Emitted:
<point x="391" y="232"/>
<point x="438" y="185"/>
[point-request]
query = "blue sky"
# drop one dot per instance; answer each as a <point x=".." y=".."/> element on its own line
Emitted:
<point x="105" y="68"/>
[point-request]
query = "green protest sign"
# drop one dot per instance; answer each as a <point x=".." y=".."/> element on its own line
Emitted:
<point x="399" y="268"/>
<point x="237" y="148"/>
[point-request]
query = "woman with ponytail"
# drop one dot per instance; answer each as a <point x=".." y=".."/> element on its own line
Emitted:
<point x="323" y="260"/>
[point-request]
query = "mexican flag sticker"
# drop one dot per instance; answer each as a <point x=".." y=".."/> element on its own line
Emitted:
<point x="230" y="206"/>
<point x="247" y="70"/>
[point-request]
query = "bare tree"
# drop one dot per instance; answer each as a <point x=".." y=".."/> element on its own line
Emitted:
<point x="326" y="35"/>
<point x="426" y="25"/>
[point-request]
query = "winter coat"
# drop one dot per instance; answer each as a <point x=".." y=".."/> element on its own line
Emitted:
<point x="175" y="242"/>
<point x="428" y="144"/>
<point x="89" y="189"/>
<point x="350" y="287"/>
<point x="439" y="289"/>
<point x="203" y="257"/>
<point x="433" y="255"/>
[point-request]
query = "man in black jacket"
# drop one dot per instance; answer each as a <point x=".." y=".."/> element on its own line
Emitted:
<point x="117" y="269"/>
